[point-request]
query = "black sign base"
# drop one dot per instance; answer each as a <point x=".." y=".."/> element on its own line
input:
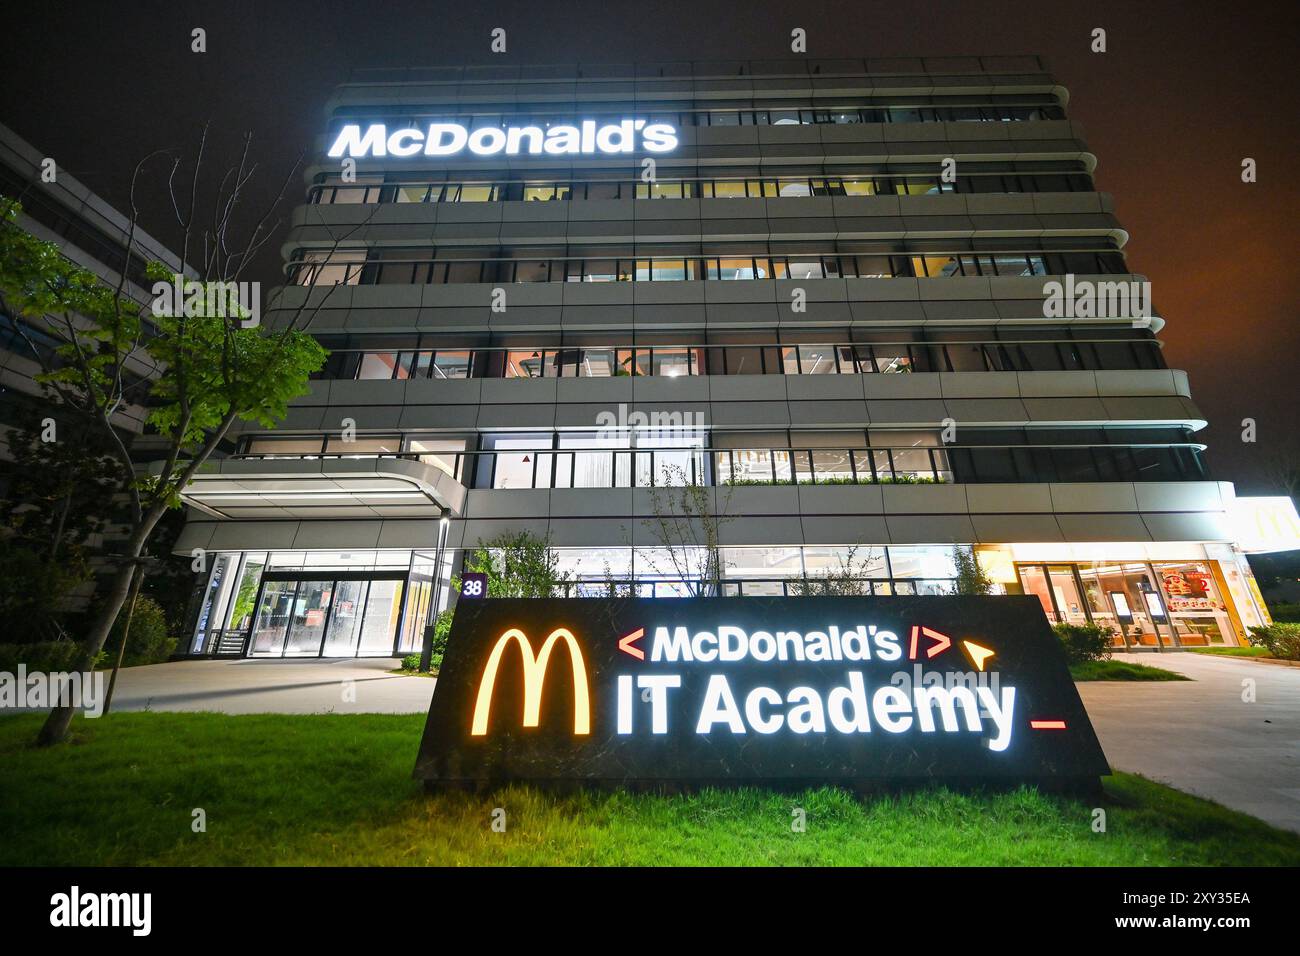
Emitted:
<point x="873" y="694"/>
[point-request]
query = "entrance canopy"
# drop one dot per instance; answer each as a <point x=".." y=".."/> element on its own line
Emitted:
<point x="381" y="487"/>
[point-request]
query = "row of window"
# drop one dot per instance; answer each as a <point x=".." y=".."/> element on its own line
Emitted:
<point x="359" y="267"/>
<point x="76" y="231"/>
<point x="838" y="116"/>
<point x="685" y="360"/>
<point x="828" y="466"/>
<point x="372" y="189"/>
<point x="543" y="461"/>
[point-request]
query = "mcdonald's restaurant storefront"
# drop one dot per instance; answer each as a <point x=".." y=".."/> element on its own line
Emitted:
<point x="1149" y="602"/>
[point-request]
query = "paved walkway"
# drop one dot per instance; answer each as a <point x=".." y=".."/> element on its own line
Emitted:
<point x="274" y="687"/>
<point x="1201" y="737"/>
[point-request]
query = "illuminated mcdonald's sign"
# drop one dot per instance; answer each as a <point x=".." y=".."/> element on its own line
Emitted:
<point x="712" y="690"/>
<point x="534" y="680"/>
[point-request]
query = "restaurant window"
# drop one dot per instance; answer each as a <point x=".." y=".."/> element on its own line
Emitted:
<point x="1198" y="613"/>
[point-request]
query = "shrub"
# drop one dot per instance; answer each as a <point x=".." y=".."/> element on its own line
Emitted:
<point x="441" y="631"/>
<point x="1084" y="642"/>
<point x="43" y="656"/>
<point x="149" y="641"/>
<point x="1281" y="639"/>
<point x="441" y="628"/>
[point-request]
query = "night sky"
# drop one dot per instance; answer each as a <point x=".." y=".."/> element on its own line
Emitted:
<point x="1184" y="93"/>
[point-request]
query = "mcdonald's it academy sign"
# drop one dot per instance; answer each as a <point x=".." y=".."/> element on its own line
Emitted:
<point x="717" y="690"/>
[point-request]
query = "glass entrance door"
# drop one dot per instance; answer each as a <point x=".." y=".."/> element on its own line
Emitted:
<point x="272" y="619"/>
<point x="345" y="619"/>
<point x="311" y="610"/>
<point x="340" y="616"/>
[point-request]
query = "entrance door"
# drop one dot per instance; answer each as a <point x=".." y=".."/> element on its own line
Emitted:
<point x="345" y="615"/>
<point x="345" y="619"/>
<point x="311" y="610"/>
<point x="272" y="619"/>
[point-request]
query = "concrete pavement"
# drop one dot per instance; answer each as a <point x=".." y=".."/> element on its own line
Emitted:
<point x="274" y="687"/>
<point x="1200" y="736"/>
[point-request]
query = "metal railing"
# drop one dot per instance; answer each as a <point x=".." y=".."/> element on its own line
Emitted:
<point x="351" y="267"/>
<point x="751" y="187"/>
<point x="565" y="468"/>
<point x="767" y="358"/>
<point x="1009" y="64"/>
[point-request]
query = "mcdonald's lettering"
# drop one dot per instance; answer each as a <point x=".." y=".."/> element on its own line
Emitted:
<point x="534" y="680"/>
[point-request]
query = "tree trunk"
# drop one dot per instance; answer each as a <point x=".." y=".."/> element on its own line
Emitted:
<point x="136" y="581"/>
<point x="55" y="728"/>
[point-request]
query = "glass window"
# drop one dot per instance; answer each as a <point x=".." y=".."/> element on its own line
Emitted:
<point x="671" y="362"/>
<point x="667" y="270"/>
<point x="476" y="192"/>
<point x="752" y="465"/>
<point x="602" y="190"/>
<point x="545" y="192"/>
<point x="598" y="363"/>
<point x="451" y="363"/>
<point x="925" y="561"/>
<point x="360" y="447"/>
<point x="744" y="360"/>
<point x="735" y="268"/>
<point x="804" y="269"/>
<point x="377" y="365"/>
<point x="601" y="270"/>
<point x="1197" y="611"/>
<point x="726" y="189"/>
<point x="464" y="272"/>
<point x="514" y="460"/>
<point x="285" y="447"/>
<point x="935" y="266"/>
<point x="405" y="361"/>
<point x="383" y="610"/>
<point x="859" y="187"/>
<point x="533" y="270"/>
<point x="439" y="452"/>
<point x="762" y="562"/>
<point x="832" y="465"/>
<point x="527" y="363"/>
<point x="817" y="359"/>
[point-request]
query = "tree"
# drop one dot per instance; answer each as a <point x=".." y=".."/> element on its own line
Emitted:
<point x="518" y="564"/>
<point x="217" y="365"/>
<point x="688" y="532"/>
<point x="51" y="515"/>
<point x="849" y="579"/>
<point x="971" y="578"/>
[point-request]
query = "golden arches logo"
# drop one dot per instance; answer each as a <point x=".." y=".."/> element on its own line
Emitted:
<point x="534" y="679"/>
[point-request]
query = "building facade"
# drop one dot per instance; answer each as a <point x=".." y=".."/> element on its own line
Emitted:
<point x="873" y="310"/>
<point x="90" y="233"/>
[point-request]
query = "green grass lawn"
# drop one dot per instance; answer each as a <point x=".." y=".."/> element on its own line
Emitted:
<point x="1120" y="670"/>
<point x="337" y="789"/>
